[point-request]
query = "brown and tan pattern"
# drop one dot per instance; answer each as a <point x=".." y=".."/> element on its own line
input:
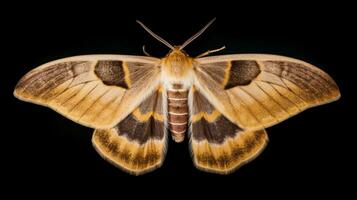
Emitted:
<point x="138" y="143"/>
<point x="241" y="72"/>
<point x="127" y="155"/>
<point x="92" y="91"/>
<point x="279" y="87"/>
<point x="177" y="112"/>
<point x="232" y="73"/>
<point x="218" y="145"/>
<point x="207" y="123"/>
<point x="228" y="156"/>
<point x="132" y="100"/>
<point x="111" y="72"/>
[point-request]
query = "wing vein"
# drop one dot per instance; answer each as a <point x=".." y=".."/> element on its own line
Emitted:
<point x="283" y="96"/>
<point x="246" y="106"/>
<point x="286" y="86"/>
<point x="278" y="103"/>
<point x="262" y="105"/>
<point x="69" y="87"/>
<point x="81" y="100"/>
<point x="272" y="83"/>
<point x="36" y="74"/>
<point x="314" y="72"/>
<point x="95" y="101"/>
<point x="71" y="96"/>
<point x="106" y="105"/>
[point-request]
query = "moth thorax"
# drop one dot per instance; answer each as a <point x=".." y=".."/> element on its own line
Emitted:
<point x="177" y="64"/>
<point x="178" y="112"/>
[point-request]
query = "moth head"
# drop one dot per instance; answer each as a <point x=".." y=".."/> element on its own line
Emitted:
<point x="176" y="50"/>
<point x="177" y="59"/>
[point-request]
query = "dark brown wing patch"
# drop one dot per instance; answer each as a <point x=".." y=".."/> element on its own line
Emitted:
<point x="241" y="72"/>
<point x="214" y="132"/>
<point x="146" y="122"/>
<point x="209" y="124"/>
<point x="111" y="72"/>
<point x="234" y="73"/>
<point x="120" y="73"/>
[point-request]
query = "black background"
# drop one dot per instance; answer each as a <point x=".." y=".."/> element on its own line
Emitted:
<point x="309" y="153"/>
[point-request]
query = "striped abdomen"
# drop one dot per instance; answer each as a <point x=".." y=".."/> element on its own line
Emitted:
<point x="178" y="113"/>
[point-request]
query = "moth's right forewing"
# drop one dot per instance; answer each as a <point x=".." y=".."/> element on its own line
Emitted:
<point x="256" y="91"/>
<point x="96" y="90"/>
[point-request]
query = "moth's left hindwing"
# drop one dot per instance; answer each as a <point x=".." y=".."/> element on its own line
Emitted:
<point x="256" y="91"/>
<point x="137" y="144"/>
<point x="97" y="91"/>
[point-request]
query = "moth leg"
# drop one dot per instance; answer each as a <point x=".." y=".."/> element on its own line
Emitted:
<point x="210" y="51"/>
<point x="145" y="52"/>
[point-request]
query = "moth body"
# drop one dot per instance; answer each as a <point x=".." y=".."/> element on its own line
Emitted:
<point x="177" y="78"/>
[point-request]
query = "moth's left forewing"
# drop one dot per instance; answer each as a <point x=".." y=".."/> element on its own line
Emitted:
<point x="94" y="90"/>
<point x="257" y="90"/>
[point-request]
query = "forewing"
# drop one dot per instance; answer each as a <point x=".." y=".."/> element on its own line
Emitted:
<point x="256" y="91"/>
<point x="96" y="90"/>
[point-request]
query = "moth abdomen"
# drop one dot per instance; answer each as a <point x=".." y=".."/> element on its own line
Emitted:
<point x="178" y="113"/>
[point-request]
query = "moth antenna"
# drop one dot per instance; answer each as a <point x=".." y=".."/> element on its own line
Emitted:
<point x="197" y="34"/>
<point x="145" y="52"/>
<point x="155" y="36"/>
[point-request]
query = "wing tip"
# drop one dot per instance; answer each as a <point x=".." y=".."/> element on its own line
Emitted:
<point x="16" y="93"/>
<point x="20" y="95"/>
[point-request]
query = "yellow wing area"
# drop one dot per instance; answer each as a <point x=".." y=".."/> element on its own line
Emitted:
<point x="264" y="89"/>
<point x="97" y="91"/>
<point x="130" y="156"/>
<point x="233" y="153"/>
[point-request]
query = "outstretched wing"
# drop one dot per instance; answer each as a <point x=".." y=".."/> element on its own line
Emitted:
<point x="97" y="91"/>
<point x="218" y="145"/>
<point x="256" y="91"/>
<point x="137" y="144"/>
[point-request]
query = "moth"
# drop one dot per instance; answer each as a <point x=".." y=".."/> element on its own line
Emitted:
<point x="222" y="103"/>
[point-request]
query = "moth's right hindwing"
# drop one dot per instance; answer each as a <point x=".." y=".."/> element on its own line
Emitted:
<point x="96" y="91"/>
<point x="218" y="145"/>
